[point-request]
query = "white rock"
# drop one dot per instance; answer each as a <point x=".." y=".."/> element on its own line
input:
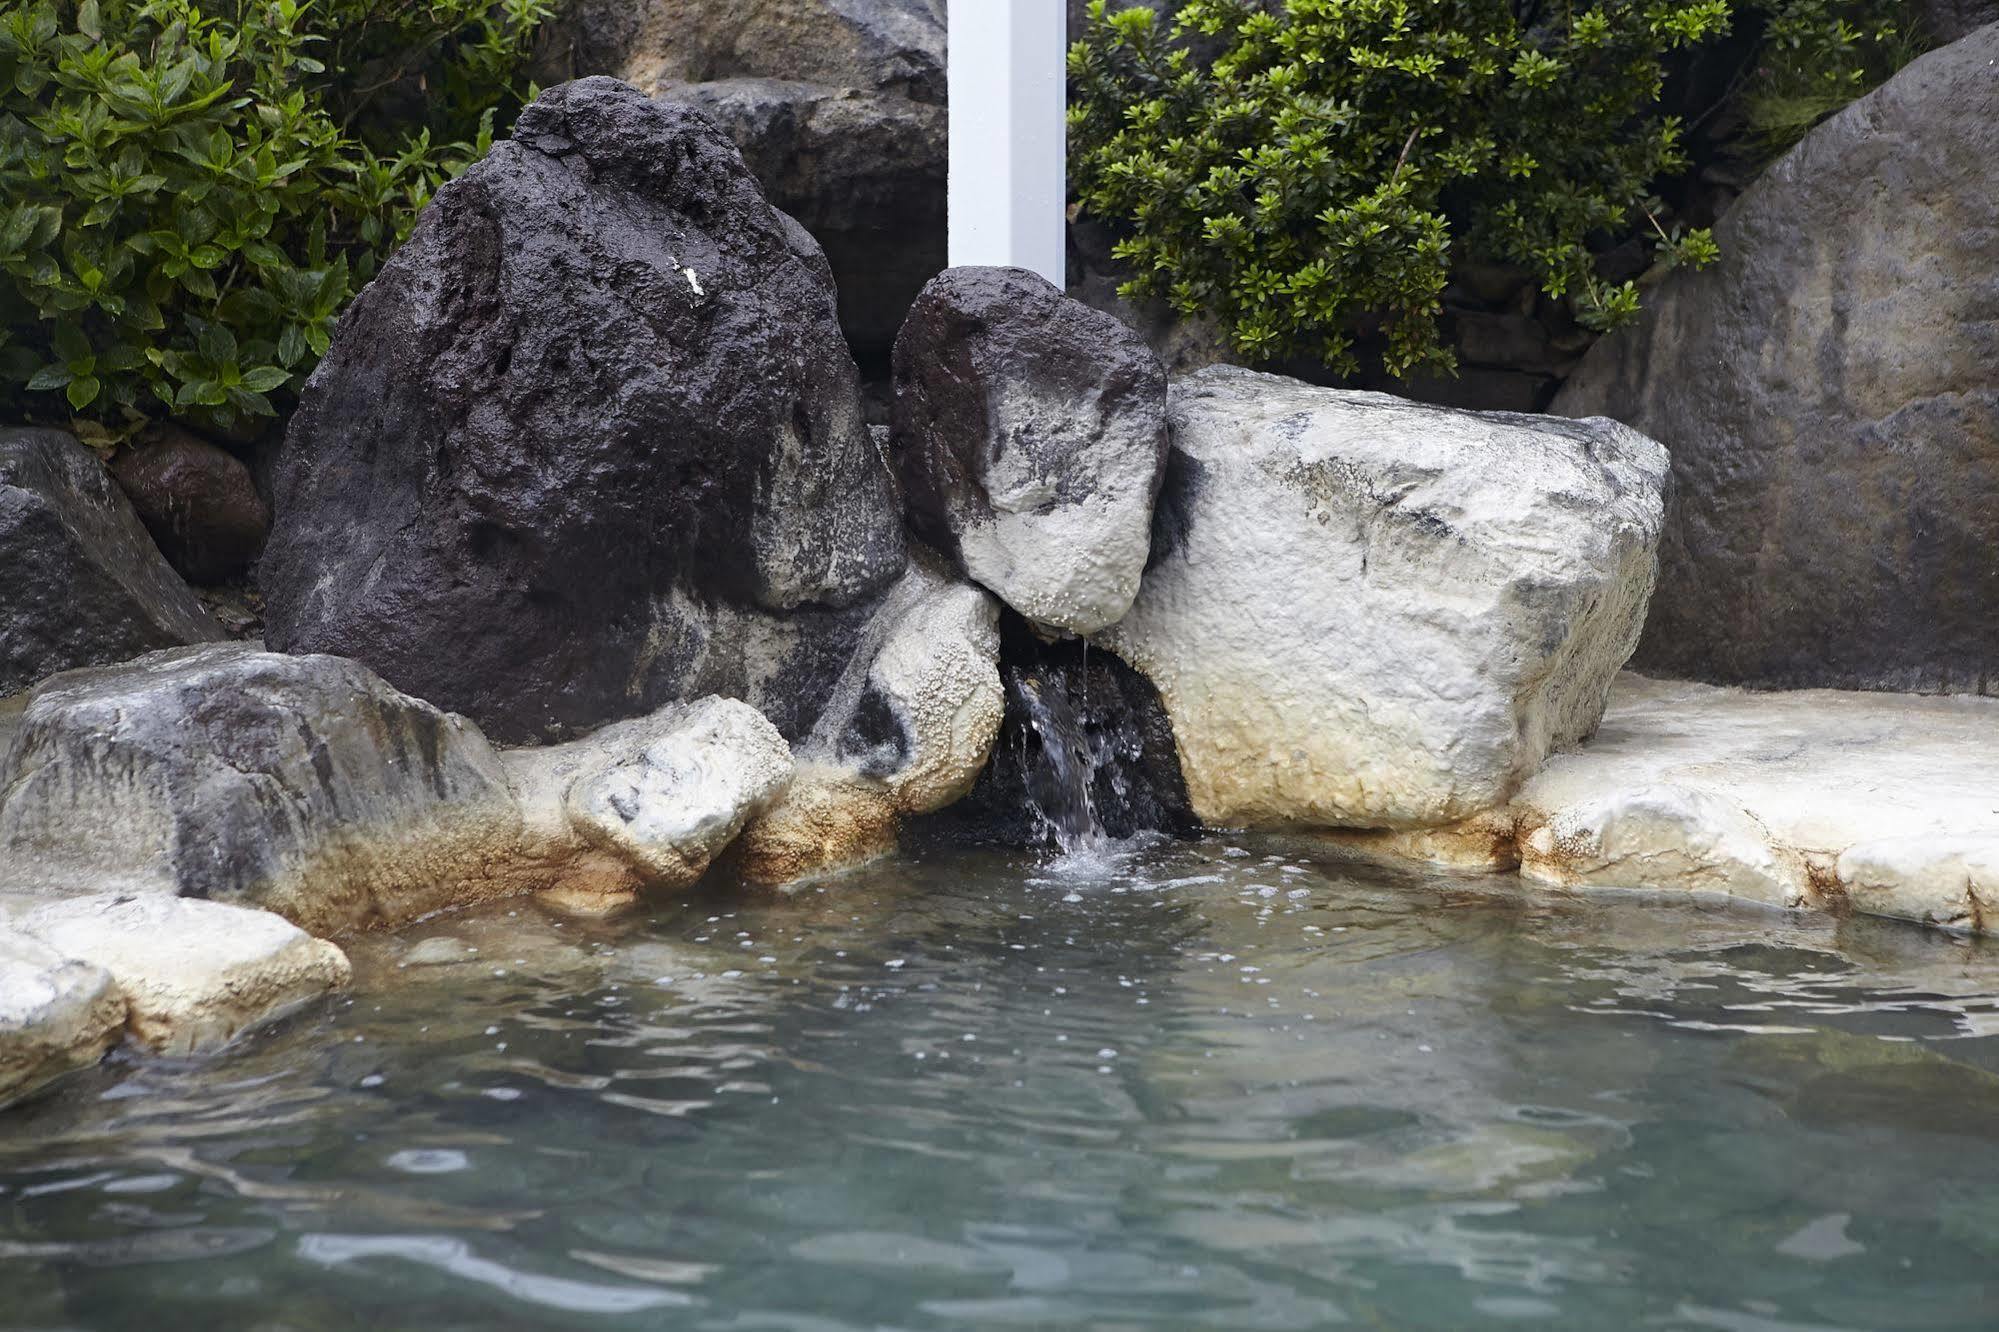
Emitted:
<point x="1940" y="879"/>
<point x="939" y="672"/>
<point x="57" y="1013"/>
<point x="1372" y="613"/>
<point x="195" y="975"/>
<point x="1664" y="836"/>
<point x="649" y="803"/>
<point x="1887" y="803"/>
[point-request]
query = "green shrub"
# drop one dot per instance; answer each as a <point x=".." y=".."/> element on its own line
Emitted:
<point x="1818" y="55"/>
<point x="191" y="189"/>
<point x="1307" y="180"/>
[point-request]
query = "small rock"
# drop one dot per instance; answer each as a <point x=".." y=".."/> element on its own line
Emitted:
<point x="648" y="804"/>
<point x="195" y="975"/>
<point x="197" y="500"/>
<point x="83" y="583"/>
<point x="829" y="820"/>
<point x="1030" y="432"/>
<point x="56" y="1013"/>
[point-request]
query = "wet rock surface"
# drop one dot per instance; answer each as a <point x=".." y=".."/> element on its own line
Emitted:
<point x="83" y="583"/>
<point x="197" y="500"/>
<point x="1827" y="394"/>
<point x="1085" y="749"/>
<point x="1030" y="435"/>
<point x="1365" y="612"/>
<point x="590" y="443"/>
<point x="304" y="785"/>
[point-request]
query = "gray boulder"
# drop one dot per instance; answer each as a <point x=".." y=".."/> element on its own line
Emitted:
<point x="1828" y="394"/>
<point x="1949" y="20"/>
<point x="303" y="785"/>
<point x="1030" y="433"/>
<point x="1365" y="612"/>
<point x="590" y="443"/>
<point x="83" y="583"/>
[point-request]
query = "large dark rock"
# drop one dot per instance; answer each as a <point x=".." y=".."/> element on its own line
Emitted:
<point x="80" y="581"/>
<point x="838" y="106"/>
<point x="1030" y="433"/>
<point x="591" y="442"/>
<point x="198" y="501"/>
<point x="1829" y="396"/>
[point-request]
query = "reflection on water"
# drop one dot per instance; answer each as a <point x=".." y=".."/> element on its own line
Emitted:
<point x="1222" y="1086"/>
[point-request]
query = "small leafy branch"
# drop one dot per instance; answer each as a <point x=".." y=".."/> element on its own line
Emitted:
<point x="191" y="189"/>
<point x="1308" y="176"/>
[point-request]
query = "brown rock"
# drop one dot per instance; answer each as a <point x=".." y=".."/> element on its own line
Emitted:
<point x="197" y="500"/>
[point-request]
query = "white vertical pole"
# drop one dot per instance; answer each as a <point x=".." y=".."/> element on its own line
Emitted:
<point x="1009" y="143"/>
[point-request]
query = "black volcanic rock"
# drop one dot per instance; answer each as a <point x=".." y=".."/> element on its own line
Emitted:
<point x="81" y="584"/>
<point x="591" y="441"/>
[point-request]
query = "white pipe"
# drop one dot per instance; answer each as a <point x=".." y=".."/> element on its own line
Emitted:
<point x="1009" y="149"/>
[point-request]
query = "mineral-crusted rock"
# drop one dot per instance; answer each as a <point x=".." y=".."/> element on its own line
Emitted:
<point x="195" y="975"/>
<point x="1364" y="612"/>
<point x="304" y="785"/>
<point x="648" y="804"/>
<point x="57" y="1013"/>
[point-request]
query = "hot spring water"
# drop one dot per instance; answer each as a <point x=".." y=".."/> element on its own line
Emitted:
<point x="1219" y="1084"/>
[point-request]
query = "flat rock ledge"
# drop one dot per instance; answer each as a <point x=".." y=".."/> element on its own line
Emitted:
<point x="1881" y="804"/>
<point x="175" y="975"/>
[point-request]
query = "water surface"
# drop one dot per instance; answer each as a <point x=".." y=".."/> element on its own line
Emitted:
<point x="1219" y="1085"/>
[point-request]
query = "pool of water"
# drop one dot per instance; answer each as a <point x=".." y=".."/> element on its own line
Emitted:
<point x="1211" y="1085"/>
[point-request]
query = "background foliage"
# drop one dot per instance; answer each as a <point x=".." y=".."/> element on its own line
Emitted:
<point x="1308" y="172"/>
<point x="191" y="189"/>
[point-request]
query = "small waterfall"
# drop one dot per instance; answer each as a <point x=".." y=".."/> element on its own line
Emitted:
<point x="1061" y="776"/>
<point x="1085" y="758"/>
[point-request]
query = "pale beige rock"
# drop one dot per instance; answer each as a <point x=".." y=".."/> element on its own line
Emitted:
<point x="1363" y="612"/>
<point x="1884" y="803"/>
<point x="57" y="1013"/>
<point x="1669" y="837"/>
<point x="195" y="974"/>
<point x="939" y="671"/>
<point x="647" y="804"/>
